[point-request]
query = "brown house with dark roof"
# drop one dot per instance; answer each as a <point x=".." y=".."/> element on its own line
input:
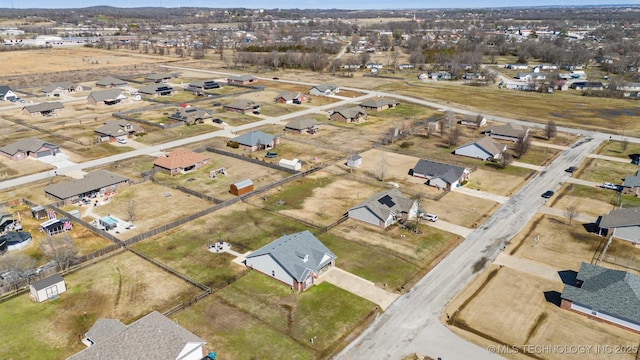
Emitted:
<point x="353" y="114"/>
<point x="190" y="115"/>
<point x="100" y="181"/>
<point x="379" y="104"/>
<point x="304" y="125"/>
<point x="289" y="97"/>
<point x="30" y="147"/>
<point x="180" y="161"/>
<point x="44" y="109"/>
<point x="117" y="129"/>
<point x="242" y="80"/>
<point x="241" y="106"/>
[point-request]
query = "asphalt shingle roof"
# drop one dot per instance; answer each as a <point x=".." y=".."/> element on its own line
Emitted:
<point x="378" y="103"/>
<point x="107" y="95"/>
<point x="509" y="129"/>
<point x="155" y="88"/>
<point x="383" y="203"/>
<point x="487" y="144"/>
<point x="114" y="127"/>
<point x="92" y="181"/>
<point x="614" y="292"/>
<point x="446" y="172"/>
<point x="180" y="158"/>
<point x="25" y="145"/>
<point x="254" y="137"/>
<point x="190" y="114"/>
<point x="290" y="252"/>
<point x="242" y="104"/>
<point x="621" y="218"/>
<point x="301" y="124"/>
<point x="45" y="106"/>
<point x="351" y="113"/>
<point x="104" y="329"/>
<point x="154" y="336"/>
<point x="110" y="81"/>
<point x="242" y="77"/>
<point x="632" y="180"/>
<point x="46" y="282"/>
<point x="65" y="85"/>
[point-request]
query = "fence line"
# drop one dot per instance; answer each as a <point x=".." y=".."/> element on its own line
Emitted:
<point x="198" y="194"/>
<point x="166" y="268"/>
<point x="46" y="131"/>
<point x="251" y="160"/>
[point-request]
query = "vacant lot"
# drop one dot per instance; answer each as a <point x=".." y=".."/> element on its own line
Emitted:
<point x="257" y="315"/>
<point x="463" y="210"/>
<point x="124" y="287"/>
<point x="606" y="171"/>
<point x="488" y="316"/>
<point x="618" y="149"/>
<point x="591" y="201"/>
<point x="553" y="241"/>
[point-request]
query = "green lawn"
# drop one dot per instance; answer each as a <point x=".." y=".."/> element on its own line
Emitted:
<point x="616" y="148"/>
<point x="539" y="155"/>
<point x="324" y="311"/>
<point x="606" y="171"/>
<point x="604" y="195"/>
<point x="298" y="191"/>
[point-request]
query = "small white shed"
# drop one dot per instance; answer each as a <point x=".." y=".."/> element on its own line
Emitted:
<point x="47" y="288"/>
<point x="294" y="164"/>
<point x="354" y="161"/>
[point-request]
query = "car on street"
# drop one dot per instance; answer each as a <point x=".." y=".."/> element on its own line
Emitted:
<point x="571" y="169"/>
<point x="276" y="78"/>
<point x="547" y="194"/>
<point x="121" y="141"/>
<point x="429" y="216"/>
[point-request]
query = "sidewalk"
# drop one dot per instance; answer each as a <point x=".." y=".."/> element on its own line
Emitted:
<point x="449" y="227"/>
<point x="609" y="158"/>
<point x="585" y="219"/>
<point x="527" y="266"/>
<point x="483" y="195"/>
<point x="527" y="166"/>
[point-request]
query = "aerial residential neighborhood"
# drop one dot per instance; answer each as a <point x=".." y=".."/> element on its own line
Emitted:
<point x="246" y="183"/>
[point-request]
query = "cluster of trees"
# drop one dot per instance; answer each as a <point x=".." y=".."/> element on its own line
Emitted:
<point x="289" y="60"/>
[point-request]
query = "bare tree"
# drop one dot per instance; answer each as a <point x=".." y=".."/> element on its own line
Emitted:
<point x="16" y="264"/>
<point x="551" y="129"/>
<point x="522" y="145"/>
<point x="131" y="207"/>
<point x="504" y="160"/>
<point x="61" y="249"/>
<point x="571" y="212"/>
<point x="454" y="135"/>
<point x="383" y="167"/>
<point x="624" y="144"/>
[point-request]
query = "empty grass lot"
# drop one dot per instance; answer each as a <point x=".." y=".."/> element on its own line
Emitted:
<point x="617" y="149"/>
<point x="323" y="312"/>
<point x="599" y="170"/>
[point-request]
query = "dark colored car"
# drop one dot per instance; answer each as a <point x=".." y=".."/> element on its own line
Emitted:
<point x="217" y="121"/>
<point x="271" y="154"/>
<point x="571" y="169"/>
<point x="547" y="194"/>
<point x="276" y="78"/>
<point x="256" y="112"/>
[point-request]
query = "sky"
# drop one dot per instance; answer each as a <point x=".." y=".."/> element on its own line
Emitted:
<point x="306" y="4"/>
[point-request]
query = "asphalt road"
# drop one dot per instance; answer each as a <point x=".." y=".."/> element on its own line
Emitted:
<point x="412" y="323"/>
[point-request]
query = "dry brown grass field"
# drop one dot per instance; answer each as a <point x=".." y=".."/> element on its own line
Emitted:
<point x="487" y="310"/>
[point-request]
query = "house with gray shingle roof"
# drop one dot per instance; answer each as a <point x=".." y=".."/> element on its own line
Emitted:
<point x="110" y="81"/>
<point x="303" y="125"/>
<point x="113" y="130"/>
<point x="257" y="140"/>
<point x="385" y="209"/>
<point x="440" y="175"/>
<point x="6" y="94"/>
<point x="241" y="106"/>
<point x="289" y="97"/>
<point x="158" y="78"/>
<point x="154" y="336"/>
<point x="204" y="85"/>
<point x="296" y="260"/>
<point x="631" y="184"/>
<point x="509" y="131"/>
<point x="353" y="114"/>
<point x="30" y="147"/>
<point x="623" y="224"/>
<point x="107" y="97"/>
<point x="484" y="148"/>
<point x="99" y="181"/>
<point x="157" y="89"/>
<point x="379" y="104"/>
<point x="476" y="121"/>
<point x="190" y="115"/>
<point x="241" y="80"/>
<point x="62" y="87"/>
<point x="324" y="89"/>
<point x="611" y="296"/>
<point x="44" y="109"/>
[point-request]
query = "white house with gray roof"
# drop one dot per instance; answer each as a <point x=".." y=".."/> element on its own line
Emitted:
<point x="611" y="296"/>
<point x="631" y="184"/>
<point x="440" y="175"/>
<point x="324" y="90"/>
<point x="623" y="224"/>
<point x="62" y="87"/>
<point x="484" y="148"/>
<point x="6" y="94"/>
<point x="153" y="336"/>
<point x="385" y="209"/>
<point x="99" y="181"/>
<point x="296" y="260"/>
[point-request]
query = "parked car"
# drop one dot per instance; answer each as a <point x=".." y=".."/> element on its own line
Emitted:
<point x="256" y="112"/>
<point x="217" y="121"/>
<point x="271" y="154"/>
<point x="297" y="101"/>
<point x="121" y="141"/>
<point x="547" y="194"/>
<point x="276" y="78"/>
<point x="429" y="216"/>
<point x="571" y="169"/>
<point x="610" y="186"/>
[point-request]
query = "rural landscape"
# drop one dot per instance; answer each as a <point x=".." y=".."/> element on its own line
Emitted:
<point x="193" y="183"/>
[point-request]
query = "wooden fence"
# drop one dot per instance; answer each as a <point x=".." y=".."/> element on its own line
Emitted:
<point x="251" y="160"/>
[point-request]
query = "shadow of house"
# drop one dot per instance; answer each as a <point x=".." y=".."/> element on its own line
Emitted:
<point x="553" y="297"/>
<point x="568" y="277"/>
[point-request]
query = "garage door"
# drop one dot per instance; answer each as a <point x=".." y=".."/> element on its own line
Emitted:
<point x="43" y="153"/>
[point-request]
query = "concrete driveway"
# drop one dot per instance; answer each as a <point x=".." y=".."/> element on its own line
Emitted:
<point x="59" y="161"/>
<point x="449" y="227"/>
<point x="483" y="195"/>
<point x="359" y="286"/>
